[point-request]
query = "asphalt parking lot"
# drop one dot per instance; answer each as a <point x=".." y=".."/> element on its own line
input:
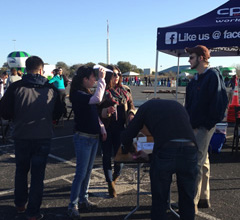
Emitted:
<point x="225" y="181"/>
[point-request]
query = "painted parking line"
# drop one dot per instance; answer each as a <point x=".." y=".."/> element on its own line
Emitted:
<point x="45" y="182"/>
<point x="6" y="145"/>
<point x="62" y="160"/>
<point x="229" y="136"/>
<point x="206" y="216"/>
<point x="6" y="192"/>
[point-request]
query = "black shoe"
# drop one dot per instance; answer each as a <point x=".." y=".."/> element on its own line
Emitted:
<point x="73" y="213"/>
<point x="20" y="209"/>
<point x="87" y="206"/>
<point x="204" y="203"/>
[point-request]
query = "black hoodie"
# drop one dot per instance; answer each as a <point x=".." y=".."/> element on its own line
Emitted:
<point x="206" y="99"/>
<point x="31" y="103"/>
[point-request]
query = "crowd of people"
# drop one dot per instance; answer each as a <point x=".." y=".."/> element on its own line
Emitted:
<point x="149" y="81"/>
<point x="107" y="117"/>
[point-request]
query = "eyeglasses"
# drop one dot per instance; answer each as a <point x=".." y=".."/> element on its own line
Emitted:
<point x="192" y="57"/>
<point x="117" y="74"/>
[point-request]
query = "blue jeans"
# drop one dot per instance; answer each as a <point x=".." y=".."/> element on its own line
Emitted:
<point x="30" y="154"/>
<point x="181" y="160"/>
<point x="85" y="149"/>
<point x="110" y="148"/>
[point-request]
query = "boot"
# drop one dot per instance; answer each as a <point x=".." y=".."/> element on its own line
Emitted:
<point x="111" y="190"/>
<point x="204" y="203"/>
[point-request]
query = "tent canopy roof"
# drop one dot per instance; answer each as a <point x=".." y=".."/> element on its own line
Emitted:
<point x="217" y="29"/>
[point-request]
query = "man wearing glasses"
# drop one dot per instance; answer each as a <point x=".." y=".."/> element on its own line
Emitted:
<point x="206" y="102"/>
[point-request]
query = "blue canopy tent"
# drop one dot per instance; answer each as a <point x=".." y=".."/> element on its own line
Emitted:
<point x="219" y="30"/>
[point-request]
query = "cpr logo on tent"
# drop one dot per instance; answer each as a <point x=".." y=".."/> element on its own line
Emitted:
<point x="171" y="38"/>
<point x="229" y="11"/>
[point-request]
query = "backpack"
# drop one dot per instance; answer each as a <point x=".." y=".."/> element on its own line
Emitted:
<point x="223" y="100"/>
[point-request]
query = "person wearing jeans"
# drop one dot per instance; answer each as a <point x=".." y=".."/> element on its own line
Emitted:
<point x="173" y="158"/>
<point x="88" y="128"/>
<point x="174" y="152"/>
<point x="85" y="150"/>
<point x="32" y="104"/>
<point x="30" y="154"/>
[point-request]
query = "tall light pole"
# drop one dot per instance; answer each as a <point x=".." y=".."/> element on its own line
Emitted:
<point x="108" y="45"/>
<point x="14" y="44"/>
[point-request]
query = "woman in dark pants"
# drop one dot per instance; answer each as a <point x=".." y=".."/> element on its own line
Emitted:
<point x="116" y="110"/>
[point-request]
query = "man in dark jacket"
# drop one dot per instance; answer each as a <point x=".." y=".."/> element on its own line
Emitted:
<point x="206" y="102"/>
<point x="32" y="104"/>
<point x="174" y="151"/>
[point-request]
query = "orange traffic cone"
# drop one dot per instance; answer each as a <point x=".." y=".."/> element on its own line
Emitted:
<point x="235" y="102"/>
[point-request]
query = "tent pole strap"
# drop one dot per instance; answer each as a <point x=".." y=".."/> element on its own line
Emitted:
<point x="156" y="71"/>
<point x="177" y="78"/>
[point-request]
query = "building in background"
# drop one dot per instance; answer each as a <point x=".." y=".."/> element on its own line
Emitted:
<point x="148" y="71"/>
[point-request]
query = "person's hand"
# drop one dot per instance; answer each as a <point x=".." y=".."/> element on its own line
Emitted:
<point x="111" y="109"/>
<point x="104" y="136"/>
<point x="130" y="117"/>
<point x="140" y="155"/>
<point x="101" y="73"/>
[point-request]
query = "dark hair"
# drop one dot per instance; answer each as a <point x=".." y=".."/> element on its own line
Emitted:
<point x="77" y="81"/>
<point x="56" y="71"/>
<point x="4" y="73"/>
<point x="60" y="68"/>
<point x="108" y="80"/>
<point x="13" y="69"/>
<point x="33" y="63"/>
<point x="114" y="67"/>
<point x="19" y="72"/>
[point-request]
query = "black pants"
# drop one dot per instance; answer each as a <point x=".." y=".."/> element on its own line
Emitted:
<point x="62" y="94"/>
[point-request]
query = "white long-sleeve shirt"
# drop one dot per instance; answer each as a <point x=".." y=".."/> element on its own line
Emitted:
<point x="97" y="98"/>
<point x="98" y="95"/>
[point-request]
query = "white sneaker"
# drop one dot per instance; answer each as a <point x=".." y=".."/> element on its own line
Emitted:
<point x="73" y="213"/>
